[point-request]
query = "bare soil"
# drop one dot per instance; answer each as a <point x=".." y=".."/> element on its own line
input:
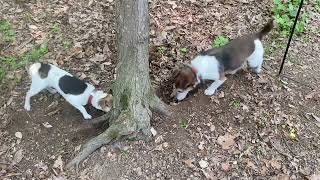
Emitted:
<point x="255" y="127"/>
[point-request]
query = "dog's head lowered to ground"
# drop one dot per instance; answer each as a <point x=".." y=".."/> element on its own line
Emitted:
<point x="184" y="81"/>
<point x="77" y="92"/>
<point x="214" y="64"/>
<point x="102" y="101"/>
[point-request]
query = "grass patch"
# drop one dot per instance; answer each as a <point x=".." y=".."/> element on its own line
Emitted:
<point x="285" y="12"/>
<point x="318" y="5"/>
<point x="184" y="124"/>
<point x="184" y="51"/>
<point x="236" y="103"/>
<point x="56" y="28"/>
<point x="7" y="34"/>
<point x="161" y="50"/>
<point x="14" y="62"/>
<point x="219" y="41"/>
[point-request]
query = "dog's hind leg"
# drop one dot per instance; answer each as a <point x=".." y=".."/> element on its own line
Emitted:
<point x="255" y="60"/>
<point x="35" y="88"/>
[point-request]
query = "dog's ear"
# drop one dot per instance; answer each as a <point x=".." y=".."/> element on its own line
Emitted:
<point x="175" y="73"/>
<point x="108" y="100"/>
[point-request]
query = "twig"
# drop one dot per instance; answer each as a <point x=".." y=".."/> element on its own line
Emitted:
<point x="4" y="163"/>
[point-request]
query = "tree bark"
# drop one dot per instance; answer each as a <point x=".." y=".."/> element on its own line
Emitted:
<point x="132" y="91"/>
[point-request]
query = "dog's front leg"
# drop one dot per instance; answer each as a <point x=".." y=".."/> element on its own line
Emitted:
<point x="212" y="88"/>
<point x="83" y="111"/>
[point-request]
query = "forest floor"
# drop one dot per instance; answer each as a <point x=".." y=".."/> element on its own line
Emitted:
<point x="255" y="127"/>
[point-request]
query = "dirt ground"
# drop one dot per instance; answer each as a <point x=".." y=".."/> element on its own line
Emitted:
<point x="255" y="126"/>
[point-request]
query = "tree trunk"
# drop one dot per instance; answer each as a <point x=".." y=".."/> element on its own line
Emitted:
<point x="133" y="96"/>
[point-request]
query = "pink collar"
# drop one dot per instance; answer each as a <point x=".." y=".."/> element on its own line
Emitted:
<point x="90" y="99"/>
<point x="195" y="71"/>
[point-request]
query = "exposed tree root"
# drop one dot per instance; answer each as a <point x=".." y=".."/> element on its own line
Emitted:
<point x="159" y="106"/>
<point x="101" y="119"/>
<point x="121" y="127"/>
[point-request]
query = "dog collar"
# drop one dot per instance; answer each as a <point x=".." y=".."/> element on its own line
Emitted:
<point x="90" y="99"/>
<point x="194" y="70"/>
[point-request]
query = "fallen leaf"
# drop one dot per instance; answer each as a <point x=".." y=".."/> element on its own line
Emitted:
<point x="47" y="125"/>
<point x="18" y="135"/>
<point x="314" y="177"/>
<point x="209" y="175"/>
<point x="275" y="164"/>
<point x="225" y="167"/>
<point x="315" y="117"/>
<point x="226" y="141"/>
<point x="203" y="163"/>
<point x="153" y="131"/>
<point x="189" y="162"/>
<point x="18" y="156"/>
<point x="58" y="163"/>
<point x="200" y="146"/>
<point x="97" y="58"/>
<point x="283" y="177"/>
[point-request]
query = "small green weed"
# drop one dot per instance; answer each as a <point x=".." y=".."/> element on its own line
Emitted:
<point x="161" y="50"/>
<point x="10" y="62"/>
<point x="66" y="44"/>
<point x="56" y="28"/>
<point x="318" y="5"/>
<point x="184" y="50"/>
<point x="125" y="153"/>
<point x="7" y="32"/>
<point x="285" y="12"/>
<point x="184" y="124"/>
<point x="236" y="103"/>
<point x="219" y="41"/>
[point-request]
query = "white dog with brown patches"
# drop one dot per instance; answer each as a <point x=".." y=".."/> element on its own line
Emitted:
<point x="214" y="64"/>
<point x="77" y="92"/>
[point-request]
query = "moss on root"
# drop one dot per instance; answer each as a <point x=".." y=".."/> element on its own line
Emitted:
<point x="124" y="100"/>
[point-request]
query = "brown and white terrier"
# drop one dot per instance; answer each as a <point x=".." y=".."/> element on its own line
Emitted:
<point x="214" y="64"/>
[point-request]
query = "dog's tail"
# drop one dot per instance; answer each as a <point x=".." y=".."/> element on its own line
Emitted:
<point x="265" y="30"/>
<point x="34" y="69"/>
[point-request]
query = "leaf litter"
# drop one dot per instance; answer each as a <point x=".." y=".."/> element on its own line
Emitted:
<point x="236" y="138"/>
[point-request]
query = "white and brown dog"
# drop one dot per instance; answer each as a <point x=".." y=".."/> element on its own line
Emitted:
<point x="77" y="92"/>
<point x="214" y="64"/>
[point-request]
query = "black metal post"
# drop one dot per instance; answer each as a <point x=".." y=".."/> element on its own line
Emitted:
<point x="290" y="37"/>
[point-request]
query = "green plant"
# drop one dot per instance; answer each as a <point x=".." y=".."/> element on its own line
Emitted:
<point x="13" y="62"/>
<point x="125" y="153"/>
<point x="184" y="50"/>
<point x="7" y="32"/>
<point x="56" y="28"/>
<point x="161" y="50"/>
<point x="184" y="124"/>
<point x="318" y="5"/>
<point x="236" y="103"/>
<point x="66" y="44"/>
<point x="219" y="41"/>
<point x="285" y="13"/>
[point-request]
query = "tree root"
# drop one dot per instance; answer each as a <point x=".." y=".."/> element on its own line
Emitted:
<point x="159" y="106"/>
<point x="101" y="119"/>
<point x="115" y="131"/>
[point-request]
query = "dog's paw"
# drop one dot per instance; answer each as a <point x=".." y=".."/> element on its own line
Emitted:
<point x="88" y="116"/>
<point x="209" y="92"/>
<point x="257" y="70"/>
<point x="27" y="107"/>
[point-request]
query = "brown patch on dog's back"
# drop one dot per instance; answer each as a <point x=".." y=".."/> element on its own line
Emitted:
<point x="44" y="70"/>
